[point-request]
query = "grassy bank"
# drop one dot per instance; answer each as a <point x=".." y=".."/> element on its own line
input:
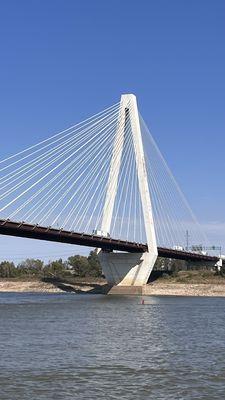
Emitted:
<point x="189" y="277"/>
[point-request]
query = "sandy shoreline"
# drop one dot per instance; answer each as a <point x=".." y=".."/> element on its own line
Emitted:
<point x="45" y="287"/>
<point x="185" y="289"/>
<point x="158" y="288"/>
<point x="28" y="286"/>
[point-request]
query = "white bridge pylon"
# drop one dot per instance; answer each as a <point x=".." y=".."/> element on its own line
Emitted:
<point x="129" y="269"/>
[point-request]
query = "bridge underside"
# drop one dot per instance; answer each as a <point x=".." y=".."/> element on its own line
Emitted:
<point x="24" y="230"/>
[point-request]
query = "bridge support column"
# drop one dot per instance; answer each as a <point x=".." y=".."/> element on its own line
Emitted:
<point x="125" y="269"/>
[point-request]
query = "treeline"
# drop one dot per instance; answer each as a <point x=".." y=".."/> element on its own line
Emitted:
<point x="171" y="265"/>
<point x="77" y="265"/>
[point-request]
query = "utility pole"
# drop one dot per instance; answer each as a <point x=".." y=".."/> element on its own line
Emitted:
<point x="187" y="240"/>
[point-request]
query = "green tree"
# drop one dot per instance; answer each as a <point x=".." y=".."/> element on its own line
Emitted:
<point x="30" y="266"/>
<point x="169" y="264"/>
<point x="94" y="264"/>
<point x="55" y="268"/>
<point x="79" y="265"/>
<point x="7" y="269"/>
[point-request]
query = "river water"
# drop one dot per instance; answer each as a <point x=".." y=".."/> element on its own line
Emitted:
<point x="68" y="346"/>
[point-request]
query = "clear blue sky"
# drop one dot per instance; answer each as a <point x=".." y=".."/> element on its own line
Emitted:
<point x="64" y="60"/>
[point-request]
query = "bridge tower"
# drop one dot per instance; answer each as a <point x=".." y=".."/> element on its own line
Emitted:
<point x="127" y="272"/>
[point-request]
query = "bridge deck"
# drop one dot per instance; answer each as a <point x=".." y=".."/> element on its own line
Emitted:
<point x="22" y="229"/>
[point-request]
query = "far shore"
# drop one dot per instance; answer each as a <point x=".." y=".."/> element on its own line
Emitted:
<point x="192" y="283"/>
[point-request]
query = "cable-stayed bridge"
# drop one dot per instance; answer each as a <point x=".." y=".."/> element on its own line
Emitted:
<point x="102" y="183"/>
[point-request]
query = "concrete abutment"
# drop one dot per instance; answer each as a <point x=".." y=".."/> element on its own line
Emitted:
<point x="127" y="272"/>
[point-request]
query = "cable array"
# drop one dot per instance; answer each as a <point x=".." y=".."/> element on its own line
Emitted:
<point x="53" y="182"/>
<point x="127" y="219"/>
<point x="62" y="182"/>
<point x="175" y="223"/>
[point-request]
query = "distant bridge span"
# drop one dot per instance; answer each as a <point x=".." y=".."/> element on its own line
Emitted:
<point x="25" y="230"/>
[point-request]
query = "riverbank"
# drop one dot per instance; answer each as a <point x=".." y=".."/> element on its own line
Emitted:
<point x="185" y="283"/>
<point x="184" y="289"/>
<point x="188" y="283"/>
<point x="27" y="286"/>
<point x="52" y="286"/>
